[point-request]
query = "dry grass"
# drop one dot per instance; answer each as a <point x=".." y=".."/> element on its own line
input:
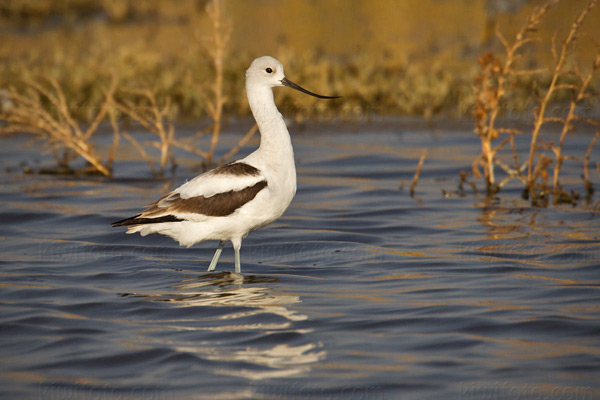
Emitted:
<point x="491" y="88"/>
<point x="221" y="34"/>
<point x="381" y="68"/>
<point x="214" y="94"/>
<point x="495" y="83"/>
<point x="142" y="107"/>
<point x="204" y="45"/>
<point x="175" y="57"/>
<point x="579" y="92"/>
<point x="40" y="107"/>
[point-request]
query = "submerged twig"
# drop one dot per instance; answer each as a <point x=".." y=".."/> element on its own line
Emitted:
<point x="589" y="188"/>
<point x="415" y="180"/>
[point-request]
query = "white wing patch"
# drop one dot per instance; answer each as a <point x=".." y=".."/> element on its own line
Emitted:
<point x="210" y="184"/>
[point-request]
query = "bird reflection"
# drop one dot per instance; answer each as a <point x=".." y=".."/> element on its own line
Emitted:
<point x="249" y="307"/>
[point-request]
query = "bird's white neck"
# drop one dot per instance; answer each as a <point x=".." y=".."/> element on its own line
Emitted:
<point x="275" y="142"/>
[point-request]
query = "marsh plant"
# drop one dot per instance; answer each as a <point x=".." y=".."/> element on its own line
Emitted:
<point x="499" y="76"/>
<point x="54" y="84"/>
<point x="41" y="108"/>
<point x="143" y="108"/>
<point x="213" y="93"/>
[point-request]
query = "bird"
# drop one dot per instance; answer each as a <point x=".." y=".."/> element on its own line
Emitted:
<point x="230" y="201"/>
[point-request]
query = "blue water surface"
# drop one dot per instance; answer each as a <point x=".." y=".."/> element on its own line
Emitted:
<point x="358" y="292"/>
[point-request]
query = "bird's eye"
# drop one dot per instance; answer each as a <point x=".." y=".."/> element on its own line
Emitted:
<point x="269" y="70"/>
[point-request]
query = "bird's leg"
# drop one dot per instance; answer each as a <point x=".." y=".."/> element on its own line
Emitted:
<point x="238" y="266"/>
<point x="215" y="259"/>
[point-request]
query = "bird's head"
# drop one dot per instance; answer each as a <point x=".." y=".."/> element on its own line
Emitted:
<point x="268" y="72"/>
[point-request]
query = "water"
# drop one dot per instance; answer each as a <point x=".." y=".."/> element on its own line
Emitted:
<point x="358" y="292"/>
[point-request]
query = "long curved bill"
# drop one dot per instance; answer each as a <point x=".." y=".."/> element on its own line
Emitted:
<point x="290" y="84"/>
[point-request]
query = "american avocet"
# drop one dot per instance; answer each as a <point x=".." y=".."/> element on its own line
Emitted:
<point x="230" y="201"/>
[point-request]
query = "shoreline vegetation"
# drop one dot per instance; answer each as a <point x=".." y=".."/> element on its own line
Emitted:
<point x="71" y="66"/>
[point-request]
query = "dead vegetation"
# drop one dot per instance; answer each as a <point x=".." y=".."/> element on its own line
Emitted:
<point x="40" y="107"/>
<point x="417" y="174"/>
<point x="498" y="78"/>
<point x="214" y="94"/>
<point x="142" y="107"/>
<point x="46" y="106"/>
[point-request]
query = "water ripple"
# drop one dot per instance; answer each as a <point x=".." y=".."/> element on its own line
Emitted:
<point x="359" y="291"/>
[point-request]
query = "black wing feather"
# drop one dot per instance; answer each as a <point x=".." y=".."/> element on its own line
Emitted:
<point x="135" y="220"/>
